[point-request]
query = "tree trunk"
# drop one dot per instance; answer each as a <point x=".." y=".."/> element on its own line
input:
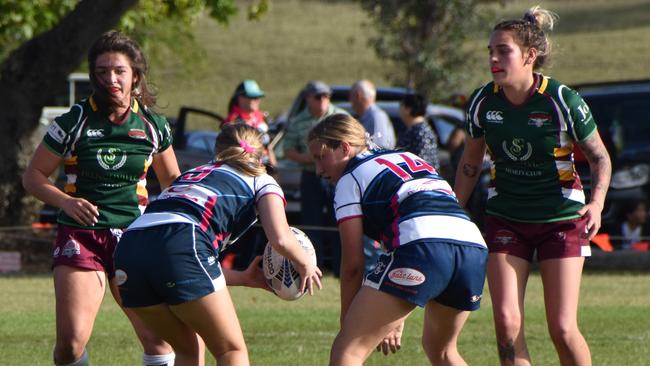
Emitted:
<point x="26" y="77"/>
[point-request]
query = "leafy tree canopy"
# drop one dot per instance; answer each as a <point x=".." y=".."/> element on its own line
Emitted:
<point x="22" y="20"/>
<point x="428" y="39"/>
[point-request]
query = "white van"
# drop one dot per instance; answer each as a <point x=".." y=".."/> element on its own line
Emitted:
<point x="78" y="87"/>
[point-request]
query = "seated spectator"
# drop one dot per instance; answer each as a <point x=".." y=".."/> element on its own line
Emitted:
<point x="418" y="138"/>
<point x="244" y="107"/>
<point x="633" y="226"/>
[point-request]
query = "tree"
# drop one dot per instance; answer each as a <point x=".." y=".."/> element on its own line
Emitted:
<point x="427" y="39"/>
<point x="53" y="38"/>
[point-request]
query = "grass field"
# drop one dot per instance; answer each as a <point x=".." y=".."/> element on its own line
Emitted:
<point x="613" y="317"/>
<point x="299" y="40"/>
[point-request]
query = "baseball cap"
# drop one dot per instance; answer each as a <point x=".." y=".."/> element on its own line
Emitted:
<point x="250" y="89"/>
<point x="316" y="87"/>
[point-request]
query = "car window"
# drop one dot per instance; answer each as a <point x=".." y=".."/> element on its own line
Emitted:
<point x="623" y="122"/>
<point x="201" y="142"/>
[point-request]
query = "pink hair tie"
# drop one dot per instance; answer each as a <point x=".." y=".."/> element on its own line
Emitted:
<point x="248" y="148"/>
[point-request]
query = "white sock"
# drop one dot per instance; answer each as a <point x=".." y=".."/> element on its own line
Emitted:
<point x="82" y="361"/>
<point x="158" y="360"/>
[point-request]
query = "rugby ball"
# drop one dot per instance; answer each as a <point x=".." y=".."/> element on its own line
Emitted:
<point x="280" y="274"/>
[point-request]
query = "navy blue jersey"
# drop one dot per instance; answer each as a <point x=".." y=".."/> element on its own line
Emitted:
<point x="401" y="200"/>
<point x="219" y="199"/>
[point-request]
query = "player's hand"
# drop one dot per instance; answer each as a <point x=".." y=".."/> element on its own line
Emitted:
<point x="253" y="275"/>
<point x="310" y="275"/>
<point x="592" y="211"/>
<point x="81" y="211"/>
<point x="392" y="342"/>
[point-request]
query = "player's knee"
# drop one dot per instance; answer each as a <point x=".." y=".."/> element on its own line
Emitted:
<point x="562" y="333"/>
<point x="158" y="360"/>
<point x="79" y="361"/>
<point x="507" y="325"/>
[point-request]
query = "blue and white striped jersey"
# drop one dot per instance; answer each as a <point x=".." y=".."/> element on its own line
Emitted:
<point x="219" y="199"/>
<point x="401" y="200"/>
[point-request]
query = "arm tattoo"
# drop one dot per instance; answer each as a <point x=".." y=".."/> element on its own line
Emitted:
<point x="507" y="352"/>
<point x="470" y="170"/>
<point x="599" y="164"/>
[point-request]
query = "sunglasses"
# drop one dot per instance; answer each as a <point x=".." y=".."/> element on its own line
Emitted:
<point x="321" y="96"/>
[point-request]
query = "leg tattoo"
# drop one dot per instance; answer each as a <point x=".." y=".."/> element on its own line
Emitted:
<point x="507" y="352"/>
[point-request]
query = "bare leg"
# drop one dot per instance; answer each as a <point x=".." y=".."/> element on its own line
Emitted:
<point x="79" y="295"/>
<point x="161" y="320"/>
<point x="152" y="344"/>
<point x="507" y="278"/>
<point x="370" y="317"/>
<point x="442" y="326"/>
<point x="561" y="279"/>
<point x="214" y="318"/>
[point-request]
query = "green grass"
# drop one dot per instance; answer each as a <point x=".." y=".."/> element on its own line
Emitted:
<point x="298" y="40"/>
<point x="613" y="317"/>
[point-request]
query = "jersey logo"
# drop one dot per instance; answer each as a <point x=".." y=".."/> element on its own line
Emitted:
<point x="494" y="117"/>
<point x="519" y="149"/>
<point x="406" y="276"/>
<point x="538" y="119"/>
<point x="137" y="134"/>
<point x="56" y="132"/>
<point x="95" y="133"/>
<point x="109" y="159"/>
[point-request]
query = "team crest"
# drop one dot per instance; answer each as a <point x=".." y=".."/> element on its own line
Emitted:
<point x="71" y="248"/>
<point x="120" y="277"/>
<point x="518" y="149"/>
<point x="137" y="134"/>
<point x="111" y="158"/>
<point x="505" y="237"/>
<point x="539" y="119"/>
<point x="379" y="268"/>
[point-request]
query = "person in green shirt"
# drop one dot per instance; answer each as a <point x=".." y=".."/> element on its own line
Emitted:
<point x="106" y="144"/>
<point x="530" y="124"/>
<point x="315" y="193"/>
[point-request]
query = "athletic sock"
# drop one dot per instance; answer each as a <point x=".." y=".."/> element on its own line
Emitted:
<point x="82" y="361"/>
<point x="158" y="360"/>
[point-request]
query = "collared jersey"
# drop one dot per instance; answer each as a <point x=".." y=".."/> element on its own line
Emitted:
<point x="531" y="146"/>
<point x="295" y="136"/>
<point x="217" y="198"/>
<point x="106" y="163"/>
<point x="401" y="200"/>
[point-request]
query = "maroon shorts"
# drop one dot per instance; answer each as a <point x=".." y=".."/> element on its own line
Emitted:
<point x="561" y="239"/>
<point x="87" y="249"/>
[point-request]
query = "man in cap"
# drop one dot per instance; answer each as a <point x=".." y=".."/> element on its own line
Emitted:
<point x="315" y="193"/>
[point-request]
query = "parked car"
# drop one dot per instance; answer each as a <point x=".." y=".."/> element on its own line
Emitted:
<point x="192" y="147"/>
<point x="622" y="111"/>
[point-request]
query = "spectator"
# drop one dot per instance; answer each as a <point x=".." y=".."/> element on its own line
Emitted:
<point x="633" y="226"/>
<point x="373" y="118"/>
<point x="380" y="129"/>
<point x="418" y="138"/>
<point x="244" y="107"/>
<point x="315" y="192"/>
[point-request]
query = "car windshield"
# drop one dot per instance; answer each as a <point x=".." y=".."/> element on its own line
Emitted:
<point x="624" y="122"/>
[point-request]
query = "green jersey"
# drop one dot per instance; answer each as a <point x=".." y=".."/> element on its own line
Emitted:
<point x="106" y="163"/>
<point x="531" y="145"/>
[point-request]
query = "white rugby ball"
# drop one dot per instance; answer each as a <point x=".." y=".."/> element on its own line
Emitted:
<point x="280" y="274"/>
